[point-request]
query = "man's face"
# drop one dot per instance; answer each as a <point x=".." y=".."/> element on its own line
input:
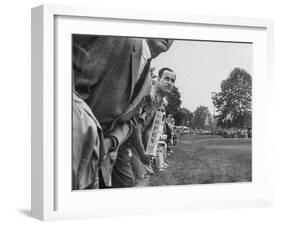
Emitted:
<point x="167" y="81"/>
<point x="158" y="46"/>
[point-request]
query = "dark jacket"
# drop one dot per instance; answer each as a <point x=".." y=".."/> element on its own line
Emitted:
<point x="105" y="74"/>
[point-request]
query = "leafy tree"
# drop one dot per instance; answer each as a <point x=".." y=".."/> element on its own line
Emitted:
<point x="183" y="117"/>
<point x="233" y="103"/>
<point x="201" y="118"/>
<point x="174" y="102"/>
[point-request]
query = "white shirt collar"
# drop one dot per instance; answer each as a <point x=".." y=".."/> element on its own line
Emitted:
<point x="146" y="54"/>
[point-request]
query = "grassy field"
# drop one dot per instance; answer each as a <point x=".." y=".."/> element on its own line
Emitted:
<point x="207" y="159"/>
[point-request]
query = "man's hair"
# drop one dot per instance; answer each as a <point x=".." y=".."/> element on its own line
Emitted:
<point x="161" y="71"/>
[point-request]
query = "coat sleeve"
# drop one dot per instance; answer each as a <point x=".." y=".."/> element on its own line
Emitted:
<point x="122" y="131"/>
<point x="86" y="146"/>
<point x="136" y="138"/>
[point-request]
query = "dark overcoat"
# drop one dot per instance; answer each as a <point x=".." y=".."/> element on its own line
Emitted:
<point x="105" y="75"/>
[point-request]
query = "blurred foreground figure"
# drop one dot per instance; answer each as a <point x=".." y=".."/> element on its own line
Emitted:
<point x="87" y="146"/>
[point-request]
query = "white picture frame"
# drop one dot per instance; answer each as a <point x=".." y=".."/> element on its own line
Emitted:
<point x="52" y="197"/>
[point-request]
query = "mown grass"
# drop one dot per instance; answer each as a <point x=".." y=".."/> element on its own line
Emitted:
<point x="205" y="160"/>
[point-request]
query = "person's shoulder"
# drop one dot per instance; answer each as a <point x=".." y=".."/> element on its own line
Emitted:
<point x="90" y="42"/>
<point x="137" y="44"/>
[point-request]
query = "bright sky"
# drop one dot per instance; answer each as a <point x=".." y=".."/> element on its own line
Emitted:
<point x="201" y="66"/>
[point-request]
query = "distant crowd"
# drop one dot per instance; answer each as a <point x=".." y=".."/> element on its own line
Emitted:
<point x="225" y="132"/>
<point x="236" y="133"/>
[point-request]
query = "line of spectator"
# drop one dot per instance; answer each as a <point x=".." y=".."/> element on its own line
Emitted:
<point x="115" y="101"/>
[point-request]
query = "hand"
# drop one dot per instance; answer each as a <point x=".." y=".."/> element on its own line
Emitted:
<point x="111" y="154"/>
<point x="112" y="157"/>
<point x="146" y="158"/>
<point x="107" y="144"/>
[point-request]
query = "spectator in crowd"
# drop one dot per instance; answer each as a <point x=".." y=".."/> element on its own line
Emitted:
<point x="153" y="103"/>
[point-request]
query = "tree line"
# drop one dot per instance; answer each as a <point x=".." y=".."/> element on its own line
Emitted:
<point x="233" y="105"/>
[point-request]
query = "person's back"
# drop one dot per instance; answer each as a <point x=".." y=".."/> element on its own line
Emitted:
<point x="104" y="80"/>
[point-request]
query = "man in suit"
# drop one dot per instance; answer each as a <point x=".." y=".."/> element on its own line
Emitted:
<point x="111" y="76"/>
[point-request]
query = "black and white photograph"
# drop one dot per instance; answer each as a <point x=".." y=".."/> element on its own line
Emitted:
<point x="159" y="112"/>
